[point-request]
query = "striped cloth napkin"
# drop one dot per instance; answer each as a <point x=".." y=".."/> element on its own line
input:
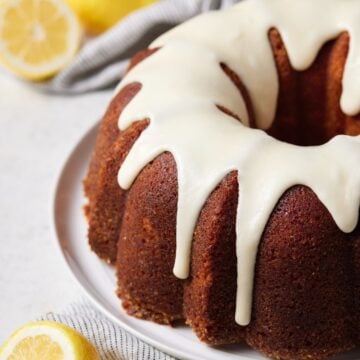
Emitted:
<point x="102" y="61"/>
<point x="111" y="341"/>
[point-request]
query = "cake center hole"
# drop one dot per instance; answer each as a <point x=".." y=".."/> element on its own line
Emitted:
<point x="310" y="130"/>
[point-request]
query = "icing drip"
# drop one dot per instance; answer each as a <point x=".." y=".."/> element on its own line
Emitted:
<point x="183" y="82"/>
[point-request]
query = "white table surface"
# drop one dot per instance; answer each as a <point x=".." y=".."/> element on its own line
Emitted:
<point x="37" y="132"/>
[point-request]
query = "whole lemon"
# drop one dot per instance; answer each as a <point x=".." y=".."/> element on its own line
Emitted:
<point x="99" y="15"/>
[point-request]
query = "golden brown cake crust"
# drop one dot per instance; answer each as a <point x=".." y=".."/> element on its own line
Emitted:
<point x="101" y="188"/>
<point x="210" y="293"/>
<point x="307" y="276"/>
<point x="304" y="294"/>
<point x="147" y="245"/>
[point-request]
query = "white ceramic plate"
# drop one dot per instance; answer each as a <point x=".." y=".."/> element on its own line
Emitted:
<point x="98" y="279"/>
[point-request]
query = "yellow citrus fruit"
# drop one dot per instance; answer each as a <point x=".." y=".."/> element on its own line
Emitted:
<point x="47" y="340"/>
<point x="37" y="37"/>
<point x="99" y="15"/>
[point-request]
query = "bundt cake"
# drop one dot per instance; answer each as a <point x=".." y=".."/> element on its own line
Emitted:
<point x="225" y="182"/>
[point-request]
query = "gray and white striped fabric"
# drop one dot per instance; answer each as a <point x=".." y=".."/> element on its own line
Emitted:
<point x="111" y="341"/>
<point x="102" y="61"/>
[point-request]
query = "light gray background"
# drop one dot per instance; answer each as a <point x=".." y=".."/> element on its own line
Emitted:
<point x="37" y="132"/>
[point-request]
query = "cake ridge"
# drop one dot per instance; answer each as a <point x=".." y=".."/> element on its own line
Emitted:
<point x="207" y="144"/>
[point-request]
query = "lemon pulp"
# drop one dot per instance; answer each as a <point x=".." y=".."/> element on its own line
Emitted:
<point x="37" y="37"/>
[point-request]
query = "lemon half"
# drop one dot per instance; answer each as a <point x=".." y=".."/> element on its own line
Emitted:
<point x="37" y="37"/>
<point x="47" y="340"/>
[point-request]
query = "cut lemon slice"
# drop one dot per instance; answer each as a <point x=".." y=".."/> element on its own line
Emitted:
<point x="47" y="340"/>
<point x="37" y="37"/>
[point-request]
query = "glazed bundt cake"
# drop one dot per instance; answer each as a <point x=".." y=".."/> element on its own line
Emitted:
<point x="225" y="182"/>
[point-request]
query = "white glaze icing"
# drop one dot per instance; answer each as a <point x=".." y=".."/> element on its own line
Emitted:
<point x="181" y="85"/>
